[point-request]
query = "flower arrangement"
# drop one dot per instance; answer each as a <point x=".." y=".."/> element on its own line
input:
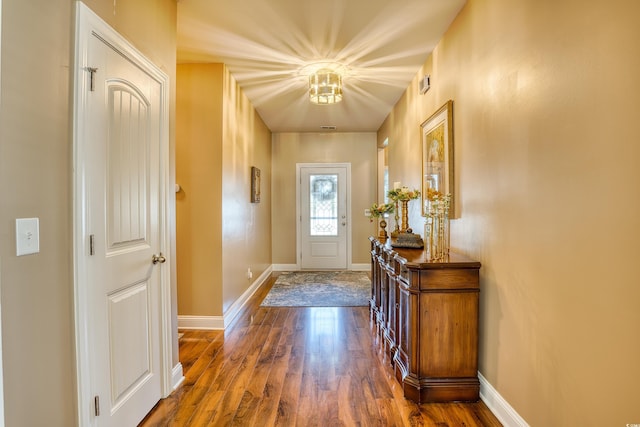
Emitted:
<point x="378" y="211"/>
<point x="403" y="193"/>
<point x="436" y="201"/>
<point x="433" y="195"/>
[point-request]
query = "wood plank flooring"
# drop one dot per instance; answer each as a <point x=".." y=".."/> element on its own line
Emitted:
<point x="297" y="367"/>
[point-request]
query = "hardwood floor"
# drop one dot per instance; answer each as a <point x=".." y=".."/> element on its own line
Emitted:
<point x="297" y="367"/>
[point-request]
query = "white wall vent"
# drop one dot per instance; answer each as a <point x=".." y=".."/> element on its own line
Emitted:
<point x="425" y="83"/>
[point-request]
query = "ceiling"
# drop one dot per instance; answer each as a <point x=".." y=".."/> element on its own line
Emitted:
<point x="268" y="46"/>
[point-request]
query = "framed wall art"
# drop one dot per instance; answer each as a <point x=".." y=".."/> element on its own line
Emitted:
<point x="437" y="155"/>
<point x="255" y="185"/>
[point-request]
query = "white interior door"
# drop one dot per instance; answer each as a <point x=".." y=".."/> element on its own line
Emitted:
<point x="120" y="150"/>
<point x="123" y="182"/>
<point x="324" y="225"/>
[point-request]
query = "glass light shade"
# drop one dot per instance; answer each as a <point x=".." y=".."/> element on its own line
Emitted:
<point x="325" y="87"/>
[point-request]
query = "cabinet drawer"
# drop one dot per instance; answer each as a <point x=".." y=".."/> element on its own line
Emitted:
<point x="449" y="279"/>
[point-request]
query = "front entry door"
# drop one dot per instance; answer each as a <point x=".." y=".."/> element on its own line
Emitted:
<point x="323" y="216"/>
<point x="120" y="158"/>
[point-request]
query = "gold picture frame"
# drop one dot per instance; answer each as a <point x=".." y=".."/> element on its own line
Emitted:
<point x="255" y="185"/>
<point x="437" y="155"/>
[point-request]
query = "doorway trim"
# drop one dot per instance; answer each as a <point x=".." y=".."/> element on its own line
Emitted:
<point x="299" y="166"/>
<point x="87" y="25"/>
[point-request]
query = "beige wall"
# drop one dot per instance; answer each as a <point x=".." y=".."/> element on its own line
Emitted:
<point x="219" y="137"/>
<point x="35" y="181"/>
<point x="246" y="226"/>
<point x="359" y="149"/>
<point x="546" y="148"/>
<point x="199" y="174"/>
<point x="35" y="171"/>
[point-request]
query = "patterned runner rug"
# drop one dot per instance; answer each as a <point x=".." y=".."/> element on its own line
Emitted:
<point x="320" y="289"/>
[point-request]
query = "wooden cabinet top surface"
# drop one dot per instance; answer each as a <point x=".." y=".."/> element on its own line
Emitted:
<point x="417" y="258"/>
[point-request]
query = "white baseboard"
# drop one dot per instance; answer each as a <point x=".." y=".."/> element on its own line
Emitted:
<point x="500" y="407"/>
<point x="177" y="377"/>
<point x="286" y="267"/>
<point x="201" y="322"/>
<point x="221" y="322"/>
<point x="239" y="304"/>
<point x="361" y="267"/>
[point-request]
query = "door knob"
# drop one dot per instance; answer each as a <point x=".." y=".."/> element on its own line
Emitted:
<point x="158" y="259"/>
<point x="344" y="223"/>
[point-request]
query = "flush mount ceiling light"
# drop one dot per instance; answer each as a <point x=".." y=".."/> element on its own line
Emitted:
<point x="325" y="87"/>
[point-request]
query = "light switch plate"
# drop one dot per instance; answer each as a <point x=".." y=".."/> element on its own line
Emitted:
<point x="27" y="236"/>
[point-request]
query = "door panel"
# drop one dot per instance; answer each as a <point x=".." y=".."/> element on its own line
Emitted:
<point x="320" y="249"/>
<point x="323" y="207"/>
<point x="127" y="182"/>
<point x="130" y="359"/>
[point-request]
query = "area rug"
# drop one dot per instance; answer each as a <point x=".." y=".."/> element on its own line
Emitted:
<point x="320" y="289"/>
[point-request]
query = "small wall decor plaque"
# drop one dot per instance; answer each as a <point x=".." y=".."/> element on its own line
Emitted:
<point x="255" y="185"/>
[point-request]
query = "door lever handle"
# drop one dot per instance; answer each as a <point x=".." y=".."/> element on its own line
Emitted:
<point x="158" y="259"/>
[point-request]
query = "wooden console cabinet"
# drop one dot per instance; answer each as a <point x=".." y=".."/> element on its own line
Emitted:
<point x="427" y="314"/>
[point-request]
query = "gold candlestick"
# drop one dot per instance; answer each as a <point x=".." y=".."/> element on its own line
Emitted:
<point x="405" y="216"/>
<point x="395" y="232"/>
<point x="383" y="233"/>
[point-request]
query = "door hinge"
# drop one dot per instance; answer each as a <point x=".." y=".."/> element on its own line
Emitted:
<point x="92" y="71"/>
<point x="92" y="239"/>
<point x="96" y="405"/>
